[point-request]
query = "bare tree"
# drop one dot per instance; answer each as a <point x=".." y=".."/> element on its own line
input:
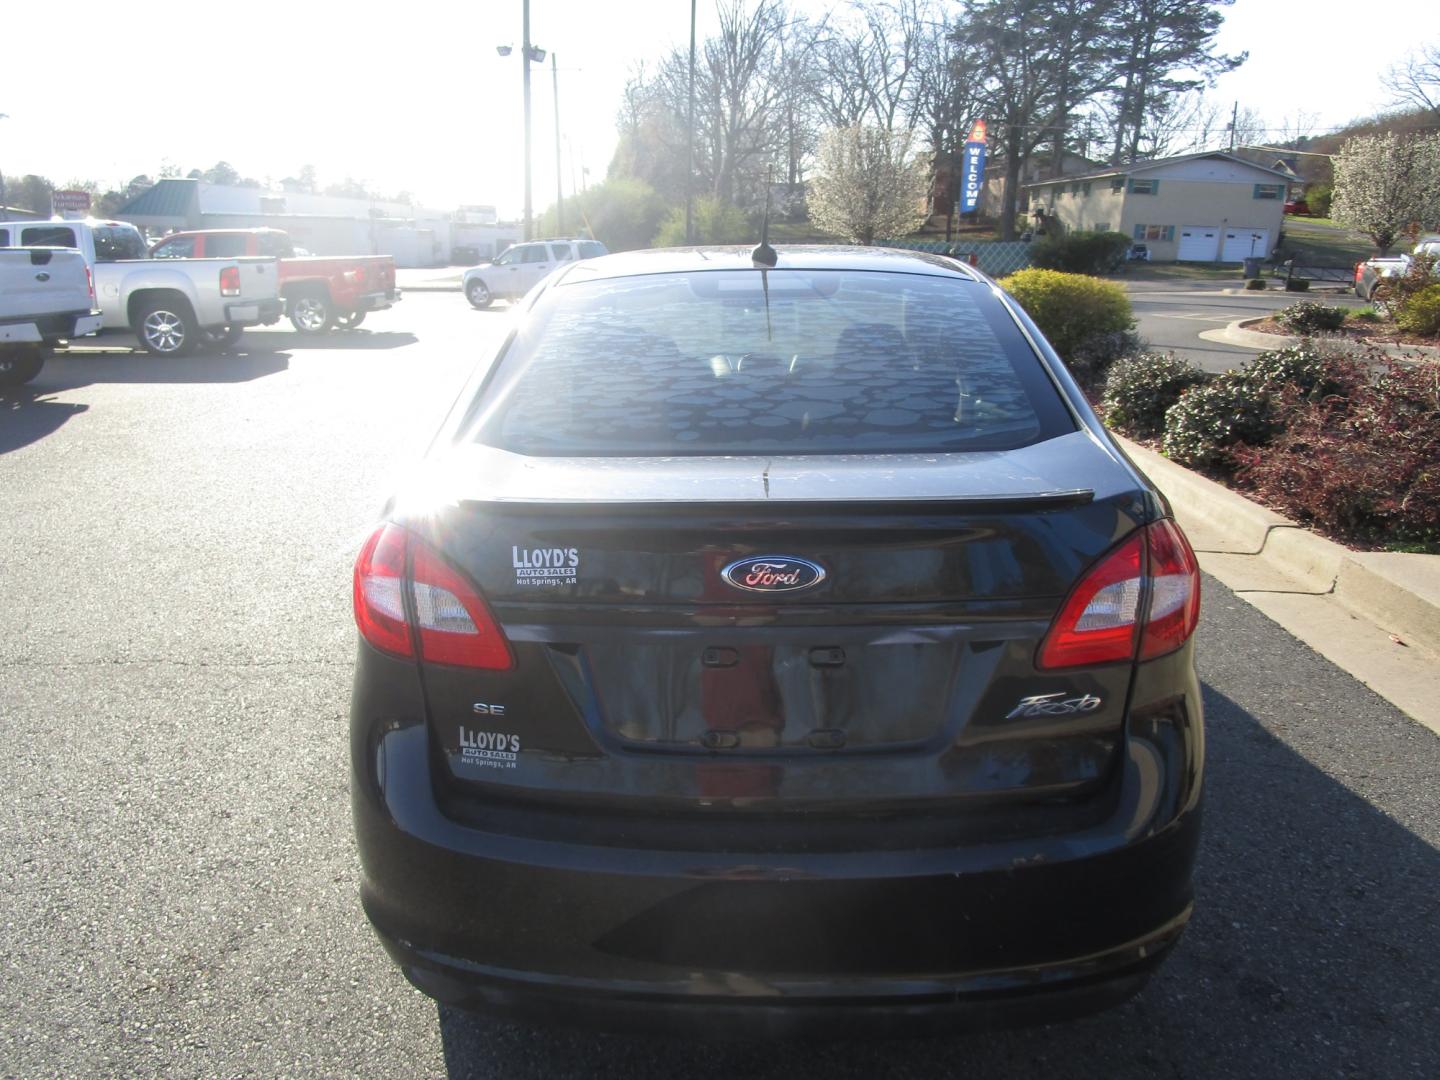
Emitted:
<point x="868" y="184"/>
<point x="1416" y="82"/>
<point x="869" y="60"/>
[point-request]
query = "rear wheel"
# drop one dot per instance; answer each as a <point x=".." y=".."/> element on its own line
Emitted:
<point x="19" y="366"/>
<point x="311" y="314"/>
<point x="221" y="337"/>
<point x="350" y="320"/>
<point x="167" y="328"/>
<point x="478" y="294"/>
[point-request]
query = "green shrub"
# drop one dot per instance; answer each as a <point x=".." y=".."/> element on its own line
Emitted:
<point x="1140" y="390"/>
<point x="1255" y="283"/>
<point x="1090" y="360"/>
<point x="1081" y="252"/>
<point x="1248" y="405"/>
<point x="1317" y="197"/>
<point x="622" y="213"/>
<point x="1070" y="309"/>
<point x="716" y="222"/>
<point x="1210" y="418"/>
<point x="1307" y="317"/>
<point x="1421" y="313"/>
<point x="1297" y="284"/>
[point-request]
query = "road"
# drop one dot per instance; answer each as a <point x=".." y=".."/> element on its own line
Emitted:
<point x="1170" y="315"/>
<point x="175" y="854"/>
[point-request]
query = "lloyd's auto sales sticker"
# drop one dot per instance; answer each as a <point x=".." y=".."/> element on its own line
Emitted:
<point x="545" y="567"/>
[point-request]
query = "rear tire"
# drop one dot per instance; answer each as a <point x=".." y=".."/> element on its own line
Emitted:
<point x="311" y="314"/>
<point x="167" y="328"/>
<point x="18" y="366"/>
<point x="222" y="337"/>
<point x="350" y="320"/>
<point x="478" y="294"/>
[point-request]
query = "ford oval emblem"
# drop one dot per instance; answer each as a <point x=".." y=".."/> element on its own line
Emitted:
<point x="773" y="573"/>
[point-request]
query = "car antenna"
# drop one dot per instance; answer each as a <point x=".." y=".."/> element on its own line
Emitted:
<point x="763" y="256"/>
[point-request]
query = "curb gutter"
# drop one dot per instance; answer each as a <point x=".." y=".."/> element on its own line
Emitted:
<point x="1238" y="333"/>
<point x="1398" y="592"/>
<point x="1375" y="615"/>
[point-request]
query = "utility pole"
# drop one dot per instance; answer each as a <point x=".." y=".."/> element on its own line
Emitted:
<point x="559" y="192"/>
<point x="1234" y="119"/>
<point x="525" y="67"/>
<point x="690" y="142"/>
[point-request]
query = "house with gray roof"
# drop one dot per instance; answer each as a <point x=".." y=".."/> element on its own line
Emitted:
<point x="1207" y="207"/>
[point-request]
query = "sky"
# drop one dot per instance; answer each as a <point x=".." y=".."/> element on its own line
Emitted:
<point x="414" y="97"/>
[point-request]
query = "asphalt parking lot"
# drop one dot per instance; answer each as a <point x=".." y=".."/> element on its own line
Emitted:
<point x="175" y="855"/>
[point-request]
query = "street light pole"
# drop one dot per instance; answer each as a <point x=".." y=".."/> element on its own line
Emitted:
<point x="690" y="142"/>
<point x="525" y="67"/>
<point x="559" y="191"/>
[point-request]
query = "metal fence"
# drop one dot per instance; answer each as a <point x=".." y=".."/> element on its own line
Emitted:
<point x="996" y="257"/>
<point x="1290" y="269"/>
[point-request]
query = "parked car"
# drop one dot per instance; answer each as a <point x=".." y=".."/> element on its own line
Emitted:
<point x="1371" y="274"/>
<point x="320" y="291"/>
<point x="776" y="646"/>
<point x="46" y="297"/>
<point x="172" y="307"/>
<point x="1297" y="206"/>
<point x="520" y="267"/>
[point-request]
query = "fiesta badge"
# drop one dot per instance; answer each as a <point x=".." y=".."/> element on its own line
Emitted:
<point x="773" y="574"/>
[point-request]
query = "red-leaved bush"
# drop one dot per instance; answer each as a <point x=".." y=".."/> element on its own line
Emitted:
<point x="1363" y="463"/>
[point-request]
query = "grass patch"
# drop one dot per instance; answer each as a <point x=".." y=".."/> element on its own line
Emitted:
<point x="1419" y="547"/>
<point x="1186" y="271"/>
<point x="1320" y="242"/>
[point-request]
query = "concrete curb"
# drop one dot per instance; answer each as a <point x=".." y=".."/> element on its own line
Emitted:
<point x="1397" y="592"/>
<point x="1238" y="333"/>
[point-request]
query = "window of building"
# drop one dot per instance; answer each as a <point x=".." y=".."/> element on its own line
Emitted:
<point x="1269" y="191"/>
<point x="1154" y="232"/>
<point x="1118" y="184"/>
<point x="1144" y="187"/>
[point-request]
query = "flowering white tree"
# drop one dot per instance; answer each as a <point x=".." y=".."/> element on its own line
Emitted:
<point x="867" y="184"/>
<point x="1386" y="183"/>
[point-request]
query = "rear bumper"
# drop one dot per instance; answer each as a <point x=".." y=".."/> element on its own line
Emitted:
<point x="377" y="301"/>
<point x="49" y="328"/>
<point x="630" y="933"/>
<point x="254" y="312"/>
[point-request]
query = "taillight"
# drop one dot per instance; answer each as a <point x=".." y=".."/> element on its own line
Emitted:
<point x="1142" y="598"/>
<point x="1359" y="271"/>
<point x="1174" y="591"/>
<point x="230" y="281"/>
<point x="451" y="622"/>
<point x="90" y="285"/>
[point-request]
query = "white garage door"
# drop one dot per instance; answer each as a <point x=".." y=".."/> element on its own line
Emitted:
<point x="1241" y="244"/>
<point x="1198" y="243"/>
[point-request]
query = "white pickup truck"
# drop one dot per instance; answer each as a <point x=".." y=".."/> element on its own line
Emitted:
<point x="45" y="298"/>
<point x="1372" y="272"/>
<point x="172" y="305"/>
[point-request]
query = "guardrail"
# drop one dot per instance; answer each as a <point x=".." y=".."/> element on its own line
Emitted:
<point x="1289" y="270"/>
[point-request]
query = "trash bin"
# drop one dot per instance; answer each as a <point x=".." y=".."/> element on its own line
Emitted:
<point x="1252" y="266"/>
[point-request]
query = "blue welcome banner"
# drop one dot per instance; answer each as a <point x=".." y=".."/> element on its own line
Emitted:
<point x="972" y="169"/>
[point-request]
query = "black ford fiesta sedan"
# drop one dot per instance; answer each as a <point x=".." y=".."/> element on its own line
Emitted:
<point x="765" y="650"/>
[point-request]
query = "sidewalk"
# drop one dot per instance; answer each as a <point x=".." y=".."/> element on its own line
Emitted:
<point x="1374" y="614"/>
<point x="1239" y="333"/>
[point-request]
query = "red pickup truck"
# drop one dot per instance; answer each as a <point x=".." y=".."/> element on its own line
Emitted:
<point x="320" y="291"/>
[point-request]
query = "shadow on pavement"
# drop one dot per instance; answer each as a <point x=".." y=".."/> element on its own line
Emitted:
<point x="339" y="339"/>
<point x="243" y="364"/>
<point x="1312" y="953"/>
<point x="27" y="416"/>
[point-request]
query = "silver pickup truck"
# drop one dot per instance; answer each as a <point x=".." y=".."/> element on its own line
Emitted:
<point x="172" y="306"/>
<point x="45" y="298"/>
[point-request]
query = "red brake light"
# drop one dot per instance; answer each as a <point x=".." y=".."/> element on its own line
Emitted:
<point x="452" y="623"/>
<point x="1101" y="621"/>
<point x="380" y="592"/>
<point x="1174" y="591"/>
<point x="230" y="281"/>
<point x="1097" y="623"/>
<point x="90" y="284"/>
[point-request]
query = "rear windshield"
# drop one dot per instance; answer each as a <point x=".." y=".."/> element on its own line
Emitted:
<point x="829" y="362"/>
